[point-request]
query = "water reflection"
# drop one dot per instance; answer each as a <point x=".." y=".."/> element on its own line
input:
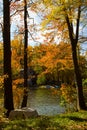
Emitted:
<point x="44" y="102"/>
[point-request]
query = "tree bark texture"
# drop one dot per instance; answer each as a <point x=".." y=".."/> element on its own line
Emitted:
<point x="8" y="94"/>
<point x="80" y="97"/>
<point x="25" y="96"/>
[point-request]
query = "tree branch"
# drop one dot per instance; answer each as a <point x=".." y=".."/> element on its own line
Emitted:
<point x="70" y="27"/>
<point x="77" y="25"/>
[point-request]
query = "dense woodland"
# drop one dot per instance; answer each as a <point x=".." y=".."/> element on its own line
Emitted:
<point x="57" y="60"/>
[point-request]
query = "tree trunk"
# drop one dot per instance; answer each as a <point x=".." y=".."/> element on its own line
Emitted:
<point x="74" y="42"/>
<point x="25" y="96"/>
<point x="80" y="97"/>
<point x="8" y="95"/>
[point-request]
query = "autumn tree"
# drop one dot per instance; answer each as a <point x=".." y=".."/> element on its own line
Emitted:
<point x="8" y="95"/>
<point x="66" y="17"/>
<point x="53" y="63"/>
<point x="17" y="47"/>
<point x="74" y="42"/>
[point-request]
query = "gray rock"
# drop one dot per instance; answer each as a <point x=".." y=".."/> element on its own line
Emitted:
<point x="23" y="113"/>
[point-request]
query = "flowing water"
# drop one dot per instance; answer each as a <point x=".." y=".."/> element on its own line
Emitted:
<point x="44" y="101"/>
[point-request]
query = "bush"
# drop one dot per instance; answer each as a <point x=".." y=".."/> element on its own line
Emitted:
<point x="41" y="79"/>
<point x="68" y="97"/>
<point x="85" y="82"/>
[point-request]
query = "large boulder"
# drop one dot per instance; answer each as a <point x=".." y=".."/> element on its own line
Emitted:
<point x="22" y="113"/>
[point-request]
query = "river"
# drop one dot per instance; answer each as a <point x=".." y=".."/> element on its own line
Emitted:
<point x="44" y="101"/>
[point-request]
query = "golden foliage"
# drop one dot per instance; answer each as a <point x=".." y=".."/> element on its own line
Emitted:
<point x="68" y="92"/>
<point x="17" y="96"/>
<point x="17" y="92"/>
<point x="2" y="80"/>
<point x="56" y="55"/>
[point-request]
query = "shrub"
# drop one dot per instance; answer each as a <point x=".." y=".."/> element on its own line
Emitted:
<point x="41" y="79"/>
<point x="68" y="97"/>
<point x="85" y="82"/>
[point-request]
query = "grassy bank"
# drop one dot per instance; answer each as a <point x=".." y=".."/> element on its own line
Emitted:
<point x="69" y="121"/>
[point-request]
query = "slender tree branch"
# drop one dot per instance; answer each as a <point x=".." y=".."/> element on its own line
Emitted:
<point x="77" y="25"/>
<point x="70" y="28"/>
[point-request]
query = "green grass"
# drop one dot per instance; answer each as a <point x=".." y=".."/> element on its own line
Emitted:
<point x="69" y="121"/>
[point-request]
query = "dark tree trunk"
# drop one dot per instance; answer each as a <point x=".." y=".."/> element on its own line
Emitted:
<point x="74" y="41"/>
<point x="8" y="95"/>
<point x="25" y="96"/>
<point x="80" y="97"/>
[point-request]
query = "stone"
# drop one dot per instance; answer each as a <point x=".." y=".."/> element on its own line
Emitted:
<point x="23" y="113"/>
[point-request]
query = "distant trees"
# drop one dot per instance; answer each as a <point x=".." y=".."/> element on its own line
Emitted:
<point x="17" y="49"/>
<point x="53" y="63"/>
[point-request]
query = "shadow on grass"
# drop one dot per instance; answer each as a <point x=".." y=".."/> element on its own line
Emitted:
<point x="74" y="118"/>
<point x="78" y="119"/>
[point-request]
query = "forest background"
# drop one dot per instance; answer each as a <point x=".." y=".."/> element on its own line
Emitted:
<point x="59" y="33"/>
